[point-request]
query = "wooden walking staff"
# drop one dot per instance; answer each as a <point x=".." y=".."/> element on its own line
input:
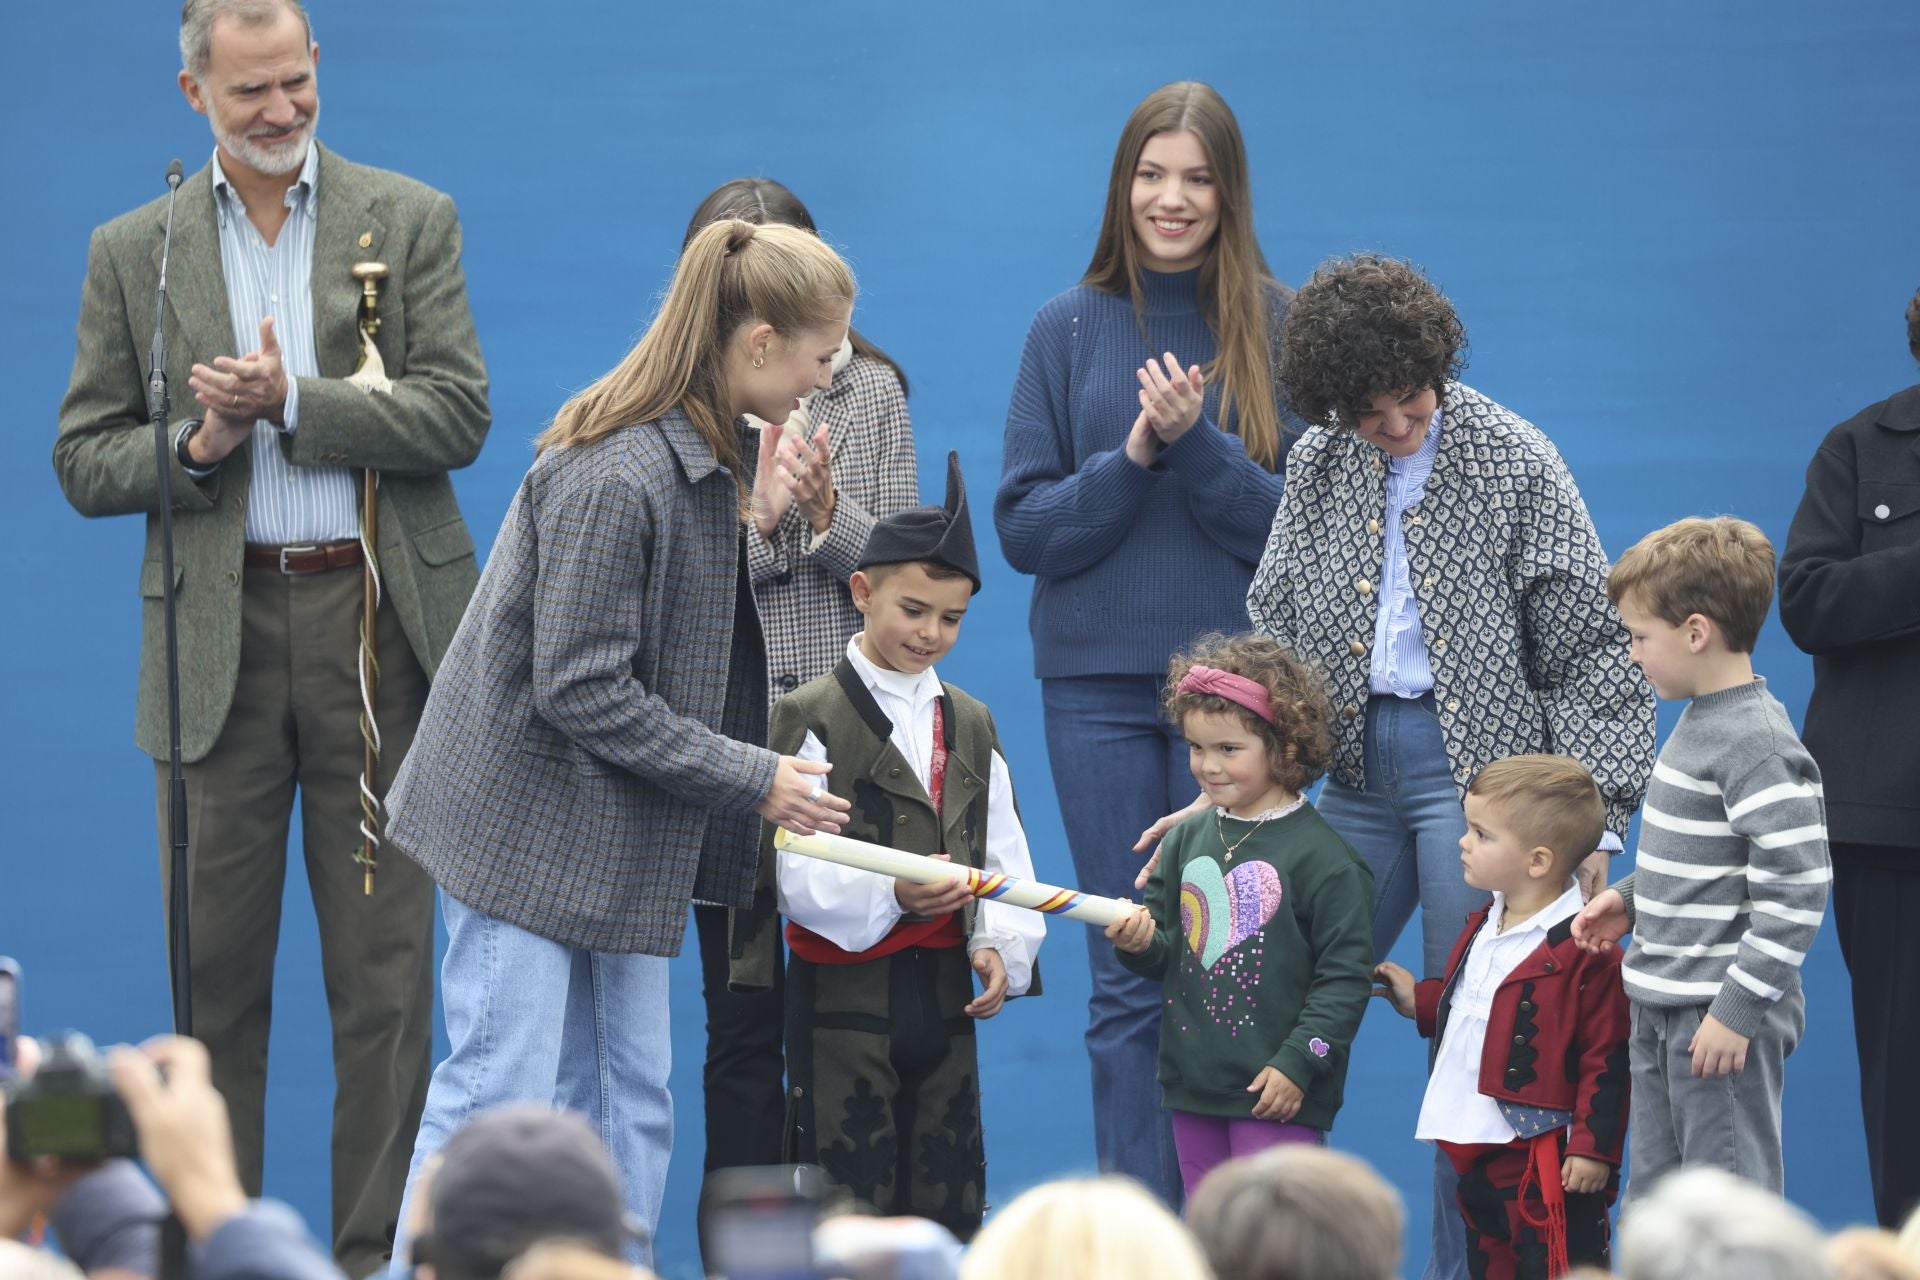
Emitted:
<point x="370" y="376"/>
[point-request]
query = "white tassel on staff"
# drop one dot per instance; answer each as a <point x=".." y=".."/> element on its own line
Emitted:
<point x="989" y="885"/>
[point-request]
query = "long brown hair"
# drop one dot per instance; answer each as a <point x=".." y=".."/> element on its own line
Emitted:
<point x="731" y="273"/>
<point x="762" y="200"/>
<point x="1236" y="287"/>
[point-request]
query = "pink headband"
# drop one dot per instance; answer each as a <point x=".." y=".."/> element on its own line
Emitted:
<point x="1224" y="684"/>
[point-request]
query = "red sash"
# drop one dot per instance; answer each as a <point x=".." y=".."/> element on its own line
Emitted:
<point x="939" y="932"/>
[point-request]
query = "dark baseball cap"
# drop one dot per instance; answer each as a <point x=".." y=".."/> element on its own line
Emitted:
<point x="518" y="1175"/>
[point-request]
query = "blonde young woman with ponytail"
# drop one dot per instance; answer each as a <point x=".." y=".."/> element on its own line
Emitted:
<point x="1142" y="468"/>
<point x="586" y="764"/>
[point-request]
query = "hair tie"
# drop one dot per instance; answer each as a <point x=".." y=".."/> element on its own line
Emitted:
<point x="1250" y="694"/>
<point x="739" y="235"/>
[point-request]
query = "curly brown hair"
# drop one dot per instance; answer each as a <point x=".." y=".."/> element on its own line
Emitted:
<point x="1365" y="325"/>
<point x="1300" y="740"/>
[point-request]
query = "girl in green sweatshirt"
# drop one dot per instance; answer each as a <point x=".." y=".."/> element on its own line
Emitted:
<point x="1258" y="919"/>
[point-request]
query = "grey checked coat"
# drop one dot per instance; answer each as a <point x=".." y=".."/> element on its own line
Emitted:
<point x="1527" y="653"/>
<point x="568" y="764"/>
<point x="806" y="610"/>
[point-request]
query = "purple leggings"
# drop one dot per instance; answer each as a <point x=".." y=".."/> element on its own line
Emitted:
<point x="1206" y="1141"/>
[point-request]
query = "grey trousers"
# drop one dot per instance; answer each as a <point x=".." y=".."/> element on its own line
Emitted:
<point x="1732" y="1123"/>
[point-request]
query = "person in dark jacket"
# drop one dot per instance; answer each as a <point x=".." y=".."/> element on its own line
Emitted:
<point x="1850" y="596"/>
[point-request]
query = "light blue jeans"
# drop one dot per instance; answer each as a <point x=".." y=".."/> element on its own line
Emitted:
<point x="1406" y="826"/>
<point x="532" y="1020"/>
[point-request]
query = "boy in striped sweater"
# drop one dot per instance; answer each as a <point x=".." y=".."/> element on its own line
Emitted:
<point x="1732" y="873"/>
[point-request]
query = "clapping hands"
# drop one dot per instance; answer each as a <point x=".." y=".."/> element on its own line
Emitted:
<point x="1170" y="398"/>
<point x="793" y="470"/>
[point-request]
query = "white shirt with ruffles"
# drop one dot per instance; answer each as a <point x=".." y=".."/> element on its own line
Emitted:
<point x="855" y="909"/>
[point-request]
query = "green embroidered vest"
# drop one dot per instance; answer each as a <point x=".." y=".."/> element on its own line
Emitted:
<point x="890" y="807"/>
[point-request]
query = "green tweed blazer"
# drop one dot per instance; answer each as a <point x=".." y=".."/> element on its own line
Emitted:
<point x="435" y="420"/>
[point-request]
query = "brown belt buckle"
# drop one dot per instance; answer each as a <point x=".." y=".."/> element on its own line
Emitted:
<point x="299" y="551"/>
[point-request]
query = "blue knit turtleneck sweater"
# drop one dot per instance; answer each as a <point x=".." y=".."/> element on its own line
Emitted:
<point x="1130" y="563"/>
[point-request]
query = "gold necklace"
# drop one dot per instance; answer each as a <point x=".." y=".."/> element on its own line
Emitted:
<point x="1220" y="829"/>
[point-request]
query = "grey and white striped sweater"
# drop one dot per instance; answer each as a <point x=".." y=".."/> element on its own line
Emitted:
<point x="1731" y="878"/>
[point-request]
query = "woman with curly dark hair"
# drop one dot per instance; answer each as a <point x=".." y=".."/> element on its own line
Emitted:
<point x="1433" y="555"/>
<point x="1142" y="468"/>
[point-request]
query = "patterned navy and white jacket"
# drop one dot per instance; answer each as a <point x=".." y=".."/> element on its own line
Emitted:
<point x="1528" y="654"/>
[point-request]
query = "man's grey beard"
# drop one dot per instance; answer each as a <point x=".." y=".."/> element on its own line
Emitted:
<point x="275" y="160"/>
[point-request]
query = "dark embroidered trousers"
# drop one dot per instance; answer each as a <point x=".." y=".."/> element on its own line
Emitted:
<point x="884" y="1084"/>
<point x="1502" y="1244"/>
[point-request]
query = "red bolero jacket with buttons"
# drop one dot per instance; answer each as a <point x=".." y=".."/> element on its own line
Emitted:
<point x="1556" y="1039"/>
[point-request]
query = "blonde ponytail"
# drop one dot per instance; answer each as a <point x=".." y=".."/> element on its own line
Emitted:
<point x="730" y="273"/>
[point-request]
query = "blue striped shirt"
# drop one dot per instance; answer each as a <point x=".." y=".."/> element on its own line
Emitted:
<point x="288" y="504"/>
<point x="1400" y="665"/>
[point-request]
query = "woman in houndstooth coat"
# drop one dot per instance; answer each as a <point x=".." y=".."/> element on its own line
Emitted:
<point x="838" y="464"/>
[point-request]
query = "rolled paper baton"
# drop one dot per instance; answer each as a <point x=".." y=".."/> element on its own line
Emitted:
<point x="1031" y="894"/>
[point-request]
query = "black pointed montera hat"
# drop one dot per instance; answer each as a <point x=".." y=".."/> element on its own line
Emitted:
<point x="938" y="535"/>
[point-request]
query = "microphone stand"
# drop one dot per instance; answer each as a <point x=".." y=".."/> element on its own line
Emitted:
<point x="173" y="1236"/>
<point x="179" y="950"/>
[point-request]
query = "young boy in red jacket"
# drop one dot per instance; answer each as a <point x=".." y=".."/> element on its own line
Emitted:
<point x="1527" y="1092"/>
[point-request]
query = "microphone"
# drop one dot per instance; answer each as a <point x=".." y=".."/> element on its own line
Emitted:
<point x="157" y="354"/>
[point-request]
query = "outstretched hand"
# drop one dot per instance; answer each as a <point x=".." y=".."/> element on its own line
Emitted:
<point x="1154" y="834"/>
<point x="1396" y="987"/>
<point x="799" y="800"/>
<point x="1602" y="922"/>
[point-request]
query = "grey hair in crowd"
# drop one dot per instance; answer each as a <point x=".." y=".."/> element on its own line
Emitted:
<point x="198" y="16"/>
<point x="1298" y="1212"/>
<point x="1706" y="1224"/>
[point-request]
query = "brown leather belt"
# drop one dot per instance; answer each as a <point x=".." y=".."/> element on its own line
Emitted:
<point x="312" y="558"/>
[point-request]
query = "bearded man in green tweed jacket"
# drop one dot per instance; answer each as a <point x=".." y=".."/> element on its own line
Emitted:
<point x="269" y="446"/>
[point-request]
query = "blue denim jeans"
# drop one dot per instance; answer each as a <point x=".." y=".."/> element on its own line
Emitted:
<point x="532" y="1020"/>
<point x="1117" y="767"/>
<point x="1406" y="826"/>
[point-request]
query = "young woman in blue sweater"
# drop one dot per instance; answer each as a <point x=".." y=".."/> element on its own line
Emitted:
<point x="1143" y="450"/>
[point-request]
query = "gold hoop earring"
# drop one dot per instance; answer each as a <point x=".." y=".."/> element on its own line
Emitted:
<point x="758" y="361"/>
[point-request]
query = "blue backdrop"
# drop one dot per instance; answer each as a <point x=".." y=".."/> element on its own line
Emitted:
<point x="1680" y="236"/>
